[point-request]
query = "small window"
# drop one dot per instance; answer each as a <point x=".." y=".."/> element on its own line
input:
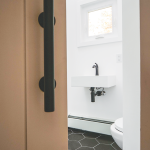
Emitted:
<point x="100" y="21"/>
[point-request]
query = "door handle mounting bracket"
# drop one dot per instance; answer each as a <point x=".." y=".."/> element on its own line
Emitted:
<point x="41" y="20"/>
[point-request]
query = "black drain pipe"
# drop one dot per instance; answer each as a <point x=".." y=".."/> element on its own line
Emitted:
<point x="92" y="94"/>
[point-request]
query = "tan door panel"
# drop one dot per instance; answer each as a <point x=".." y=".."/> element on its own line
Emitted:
<point x="12" y="75"/>
<point x="45" y="130"/>
<point x="145" y="73"/>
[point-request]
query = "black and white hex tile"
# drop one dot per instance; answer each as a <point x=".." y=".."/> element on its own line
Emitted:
<point x="83" y="140"/>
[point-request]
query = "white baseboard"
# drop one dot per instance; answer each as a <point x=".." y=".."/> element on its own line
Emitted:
<point x="91" y="126"/>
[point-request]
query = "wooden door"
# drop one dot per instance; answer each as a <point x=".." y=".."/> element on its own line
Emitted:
<point x="12" y="75"/>
<point x="23" y="123"/>
<point x="45" y="131"/>
<point x="145" y="73"/>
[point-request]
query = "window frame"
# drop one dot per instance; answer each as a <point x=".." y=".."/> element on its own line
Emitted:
<point x="84" y="7"/>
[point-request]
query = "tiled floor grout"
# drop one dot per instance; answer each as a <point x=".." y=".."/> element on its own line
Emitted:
<point x="97" y="141"/>
<point x="80" y="143"/>
<point x="100" y="139"/>
<point x="114" y="148"/>
<point x="96" y="145"/>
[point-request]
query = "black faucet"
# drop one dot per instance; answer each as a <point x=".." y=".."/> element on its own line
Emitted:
<point x="96" y="67"/>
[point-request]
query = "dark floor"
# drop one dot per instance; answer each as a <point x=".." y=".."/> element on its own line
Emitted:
<point x="83" y="140"/>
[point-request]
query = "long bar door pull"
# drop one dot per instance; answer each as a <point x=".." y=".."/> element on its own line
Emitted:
<point x="47" y="83"/>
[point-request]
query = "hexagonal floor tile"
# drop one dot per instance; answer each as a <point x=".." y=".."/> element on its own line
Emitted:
<point x="78" y="131"/>
<point x="116" y="146"/>
<point x="91" y="135"/>
<point x="104" y="147"/>
<point x="72" y="145"/>
<point x="88" y="142"/>
<point x="76" y="137"/>
<point x="85" y="148"/>
<point x="69" y="131"/>
<point x="105" y="139"/>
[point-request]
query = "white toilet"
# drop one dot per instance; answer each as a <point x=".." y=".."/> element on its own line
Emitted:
<point x="117" y="132"/>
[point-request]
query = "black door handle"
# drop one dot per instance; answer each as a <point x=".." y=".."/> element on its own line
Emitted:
<point x="47" y="83"/>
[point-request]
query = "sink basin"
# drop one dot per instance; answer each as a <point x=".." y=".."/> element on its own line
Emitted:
<point x="93" y="81"/>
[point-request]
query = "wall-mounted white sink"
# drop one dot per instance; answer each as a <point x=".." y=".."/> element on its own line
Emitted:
<point x="93" y="81"/>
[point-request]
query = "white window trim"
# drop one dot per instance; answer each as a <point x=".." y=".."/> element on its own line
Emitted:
<point x="82" y="28"/>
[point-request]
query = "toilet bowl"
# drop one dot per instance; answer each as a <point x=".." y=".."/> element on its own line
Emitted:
<point x="117" y="132"/>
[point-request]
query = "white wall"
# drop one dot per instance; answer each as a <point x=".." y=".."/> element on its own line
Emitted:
<point x="131" y="74"/>
<point x="79" y="63"/>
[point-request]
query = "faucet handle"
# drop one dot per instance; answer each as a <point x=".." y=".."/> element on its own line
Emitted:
<point x="93" y="66"/>
<point x="96" y="65"/>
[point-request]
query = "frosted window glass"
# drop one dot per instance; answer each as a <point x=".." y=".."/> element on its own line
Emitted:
<point x="100" y="21"/>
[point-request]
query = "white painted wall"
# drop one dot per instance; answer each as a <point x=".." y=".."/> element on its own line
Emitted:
<point x="131" y="74"/>
<point x="79" y="63"/>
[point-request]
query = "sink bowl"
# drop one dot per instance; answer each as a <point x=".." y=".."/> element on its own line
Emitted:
<point x="93" y="81"/>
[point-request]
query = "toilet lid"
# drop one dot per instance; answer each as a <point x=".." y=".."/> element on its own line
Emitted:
<point x="119" y="124"/>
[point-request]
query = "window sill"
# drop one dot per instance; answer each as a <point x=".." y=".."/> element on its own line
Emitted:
<point x="98" y="41"/>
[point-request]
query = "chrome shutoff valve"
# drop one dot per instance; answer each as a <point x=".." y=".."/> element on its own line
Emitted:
<point x="103" y="93"/>
<point x="100" y="93"/>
